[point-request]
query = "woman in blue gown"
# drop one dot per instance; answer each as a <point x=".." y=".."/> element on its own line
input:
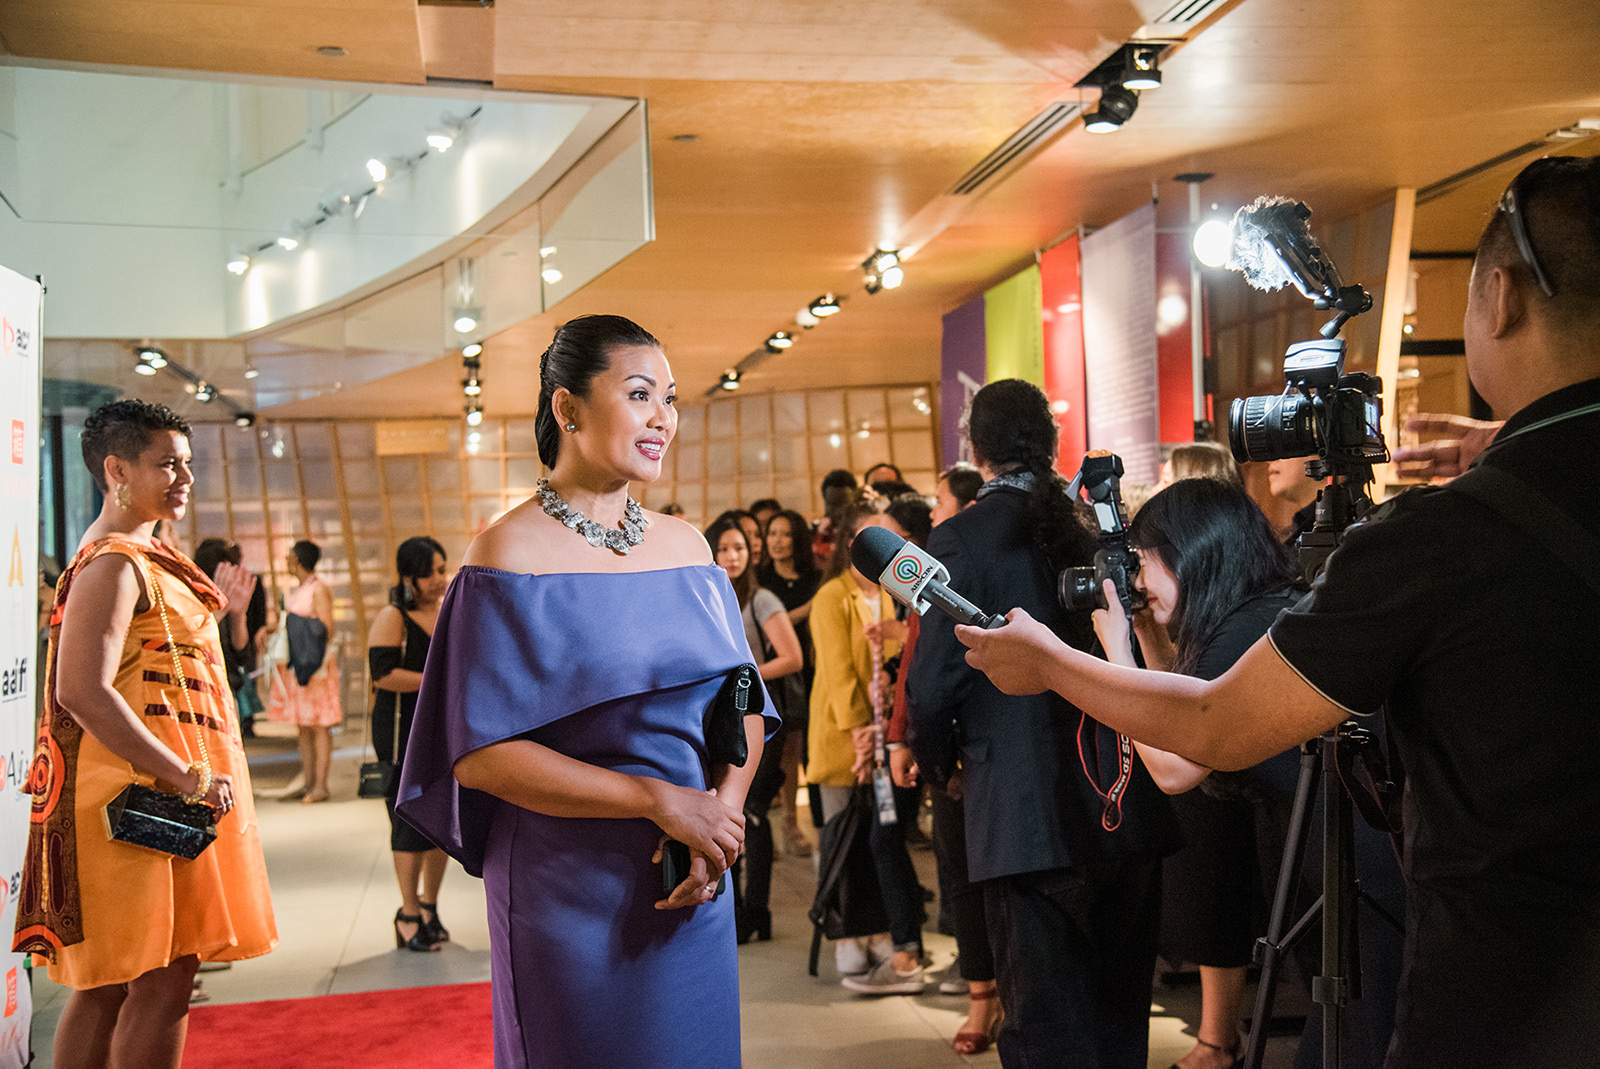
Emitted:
<point x="558" y="736"/>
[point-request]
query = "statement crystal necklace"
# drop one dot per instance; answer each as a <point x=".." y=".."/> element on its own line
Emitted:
<point x="630" y="531"/>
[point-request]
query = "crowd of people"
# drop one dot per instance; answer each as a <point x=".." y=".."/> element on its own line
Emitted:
<point x="603" y="709"/>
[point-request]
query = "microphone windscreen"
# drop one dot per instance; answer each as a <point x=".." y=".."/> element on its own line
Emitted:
<point x="873" y="549"/>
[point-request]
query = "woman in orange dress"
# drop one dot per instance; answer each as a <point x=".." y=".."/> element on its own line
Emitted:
<point x="125" y="926"/>
<point x="313" y="705"/>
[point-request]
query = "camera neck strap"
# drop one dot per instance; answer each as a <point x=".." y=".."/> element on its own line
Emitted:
<point x="1536" y="516"/>
<point x="1110" y="799"/>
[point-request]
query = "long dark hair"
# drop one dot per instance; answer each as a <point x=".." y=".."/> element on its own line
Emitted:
<point x="846" y="519"/>
<point x="1221" y="549"/>
<point x="1011" y="425"/>
<point x="744" y="584"/>
<point x="805" y="563"/>
<point x="580" y="350"/>
<point x="413" y="561"/>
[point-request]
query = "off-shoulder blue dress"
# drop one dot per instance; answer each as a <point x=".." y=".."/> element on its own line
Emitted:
<point x="616" y="670"/>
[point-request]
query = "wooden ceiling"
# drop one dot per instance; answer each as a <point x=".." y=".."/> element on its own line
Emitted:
<point x="789" y="139"/>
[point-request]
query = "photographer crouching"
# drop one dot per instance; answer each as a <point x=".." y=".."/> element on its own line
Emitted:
<point x="1065" y="839"/>
<point x="1460" y="609"/>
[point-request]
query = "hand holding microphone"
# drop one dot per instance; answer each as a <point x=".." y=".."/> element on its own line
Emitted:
<point x="913" y="578"/>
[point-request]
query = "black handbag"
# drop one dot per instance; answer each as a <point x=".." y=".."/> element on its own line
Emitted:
<point x="156" y="820"/>
<point x="848" y="902"/>
<point x="740" y="696"/>
<point x="377" y="777"/>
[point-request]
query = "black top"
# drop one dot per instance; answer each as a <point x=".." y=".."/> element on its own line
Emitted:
<point x="383" y="705"/>
<point x="1483" y="648"/>
<point x="793" y="593"/>
<point x="1029" y="803"/>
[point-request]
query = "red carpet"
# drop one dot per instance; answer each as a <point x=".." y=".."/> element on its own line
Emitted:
<point x="416" y="1026"/>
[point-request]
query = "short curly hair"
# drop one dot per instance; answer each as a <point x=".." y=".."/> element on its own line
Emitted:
<point x="123" y="429"/>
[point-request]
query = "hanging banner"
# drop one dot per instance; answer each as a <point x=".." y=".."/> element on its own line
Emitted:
<point x="1013" y="328"/>
<point x="1061" y="283"/>
<point x="1174" y="342"/>
<point x="963" y="361"/>
<point x="20" y="383"/>
<point x="1121" y="369"/>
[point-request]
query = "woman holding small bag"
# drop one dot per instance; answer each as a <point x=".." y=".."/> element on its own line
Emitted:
<point x="145" y="702"/>
<point x="397" y="648"/>
<point x="307" y="694"/>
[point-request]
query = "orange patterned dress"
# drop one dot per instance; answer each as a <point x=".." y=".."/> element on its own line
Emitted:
<point x="104" y="912"/>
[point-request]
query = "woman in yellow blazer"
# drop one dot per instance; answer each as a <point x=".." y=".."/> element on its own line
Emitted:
<point x="847" y="610"/>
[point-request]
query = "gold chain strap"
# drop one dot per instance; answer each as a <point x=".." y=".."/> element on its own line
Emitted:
<point x="204" y="770"/>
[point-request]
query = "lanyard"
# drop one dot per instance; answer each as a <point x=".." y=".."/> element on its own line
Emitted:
<point x="1111" y="814"/>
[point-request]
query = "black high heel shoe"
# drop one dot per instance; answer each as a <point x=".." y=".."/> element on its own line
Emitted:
<point x="436" y="931"/>
<point x="419" y="940"/>
<point x="753" y="923"/>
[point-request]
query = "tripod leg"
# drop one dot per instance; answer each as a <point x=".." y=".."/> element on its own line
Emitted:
<point x="1331" y="990"/>
<point x="1270" y="949"/>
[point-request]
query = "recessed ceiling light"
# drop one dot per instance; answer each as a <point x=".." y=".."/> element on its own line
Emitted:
<point x="251" y="371"/>
<point x="441" y="140"/>
<point x="551" y="275"/>
<point x="466" y="320"/>
<point x="470" y="351"/>
<point x="331" y="50"/>
<point x="474" y="415"/>
<point x="377" y="169"/>
<point x="238" y="263"/>
<point x="288" y="244"/>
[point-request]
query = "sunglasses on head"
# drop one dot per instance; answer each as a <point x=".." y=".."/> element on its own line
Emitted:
<point x="1514" y="201"/>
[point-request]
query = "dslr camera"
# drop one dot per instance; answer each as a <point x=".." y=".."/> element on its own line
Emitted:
<point x="1322" y="412"/>
<point x="1084" y="587"/>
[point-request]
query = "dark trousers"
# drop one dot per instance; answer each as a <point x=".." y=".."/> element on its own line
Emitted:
<point x="1074" y="952"/>
<point x="897" y="876"/>
<point x="959" y="897"/>
<point x="752" y="873"/>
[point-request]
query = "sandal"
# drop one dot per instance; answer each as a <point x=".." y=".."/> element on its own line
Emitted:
<point x="1235" y="1052"/>
<point x="418" y="940"/>
<point x="978" y="1042"/>
<point x="437" y="932"/>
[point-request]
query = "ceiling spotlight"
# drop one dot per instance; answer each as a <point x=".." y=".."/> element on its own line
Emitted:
<point x="244" y="419"/>
<point x="551" y="275"/>
<point x="1213" y="242"/>
<point x="729" y="379"/>
<point x="377" y="169"/>
<point x="474" y="415"/>
<point x="251" y="371"/>
<point x="238" y="263"/>
<point x="1141" y="71"/>
<point x="547" y="250"/>
<point x="804" y="318"/>
<point x="893" y="276"/>
<point x="780" y="340"/>
<point x="1117" y="106"/>
<point x="824" y="306"/>
<point x="883" y="270"/>
<point x="470" y="351"/>
<point x="471" y="387"/>
<point x="439" y="141"/>
<point x="465" y="320"/>
<point x="205" y="393"/>
<point x="144" y="367"/>
<point x="287" y="244"/>
<point x="149" y="354"/>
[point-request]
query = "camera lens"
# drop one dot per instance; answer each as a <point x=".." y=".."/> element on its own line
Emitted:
<point x="1079" y="588"/>
<point x="1271" y="427"/>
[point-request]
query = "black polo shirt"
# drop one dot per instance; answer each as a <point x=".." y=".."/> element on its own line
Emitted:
<point x="1483" y="649"/>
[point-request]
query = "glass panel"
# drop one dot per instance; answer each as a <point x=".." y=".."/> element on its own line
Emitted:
<point x="719" y="499"/>
<point x="913" y="449"/>
<point x="795" y="494"/>
<point x="312" y="440"/>
<point x="318" y="478"/>
<point x="689" y="461"/>
<point x="754" y="456"/>
<point x="244" y="475"/>
<point x="373" y="556"/>
<point x="789" y="413"/>
<point x="719" y="460"/>
<point x="910" y="407"/>
<point x="755" y="417"/>
<point x="366" y="517"/>
<point x="406" y="517"/>
<point x="484" y="509"/>
<point x="827" y="410"/>
<point x="483" y="474"/>
<point x="691" y="423"/>
<point x="520" y="437"/>
<point x="869" y="447"/>
<point x="923" y="481"/>
<point x="282" y="480"/>
<point x="360" y="476"/>
<point x="402" y="475"/>
<point x="723" y="419"/>
<point x="692" y="499"/>
<point x="789" y="455"/>
<point x="491" y="436"/>
<point x="455" y="545"/>
<point x="753" y="490"/>
<point x="444" y="476"/>
<point x="357" y="440"/>
<point x="867" y="410"/>
<point x="327" y="531"/>
<point x="522" y="473"/>
<point x="827" y="453"/>
<point x="210" y="518"/>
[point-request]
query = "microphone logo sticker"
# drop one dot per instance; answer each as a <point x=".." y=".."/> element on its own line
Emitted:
<point x="907" y="570"/>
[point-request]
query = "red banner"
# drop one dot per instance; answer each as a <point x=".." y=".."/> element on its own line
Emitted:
<point x="1061" y="279"/>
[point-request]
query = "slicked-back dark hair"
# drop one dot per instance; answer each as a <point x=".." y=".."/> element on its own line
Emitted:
<point x="1221" y="549"/>
<point x="123" y="429"/>
<point x="914" y="515"/>
<point x="580" y="350"/>
<point x="307" y="553"/>
<point x="964" y="481"/>
<point x="1011" y="424"/>
<point x="413" y="561"/>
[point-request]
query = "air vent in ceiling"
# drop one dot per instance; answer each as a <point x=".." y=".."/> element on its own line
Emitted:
<point x="1031" y="135"/>
<point x="1187" y="13"/>
<point x="455" y="3"/>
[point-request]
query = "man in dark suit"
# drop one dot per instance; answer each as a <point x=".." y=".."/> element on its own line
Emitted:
<point x="1068" y="849"/>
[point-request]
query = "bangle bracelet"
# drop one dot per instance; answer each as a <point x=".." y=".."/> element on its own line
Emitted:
<point x="203" y="783"/>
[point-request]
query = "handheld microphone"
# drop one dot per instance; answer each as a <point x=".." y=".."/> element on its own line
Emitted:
<point x="913" y="578"/>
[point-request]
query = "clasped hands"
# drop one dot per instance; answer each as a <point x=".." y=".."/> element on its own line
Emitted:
<point x="713" y="832"/>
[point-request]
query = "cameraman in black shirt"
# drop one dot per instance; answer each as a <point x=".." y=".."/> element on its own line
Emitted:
<point x="1474" y="627"/>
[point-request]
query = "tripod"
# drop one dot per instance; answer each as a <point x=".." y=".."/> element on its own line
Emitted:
<point x="1329" y="762"/>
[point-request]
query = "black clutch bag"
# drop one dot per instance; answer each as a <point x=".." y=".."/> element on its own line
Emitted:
<point x="739" y="697"/>
<point x="377" y="779"/>
<point x="155" y="820"/>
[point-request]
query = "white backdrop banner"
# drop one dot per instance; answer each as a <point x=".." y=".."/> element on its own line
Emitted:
<point x="1121" y="369"/>
<point x="20" y="381"/>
